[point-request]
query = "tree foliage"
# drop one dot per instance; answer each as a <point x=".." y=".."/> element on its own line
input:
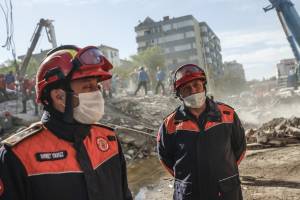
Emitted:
<point x="124" y="70"/>
<point x="150" y="59"/>
<point x="10" y="66"/>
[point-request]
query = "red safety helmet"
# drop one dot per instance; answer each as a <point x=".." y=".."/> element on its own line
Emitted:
<point x="69" y="62"/>
<point x="186" y="73"/>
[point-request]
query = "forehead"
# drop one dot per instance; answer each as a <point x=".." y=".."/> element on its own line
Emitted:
<point x="192" y="82"/>
<point x="85" y="80"/>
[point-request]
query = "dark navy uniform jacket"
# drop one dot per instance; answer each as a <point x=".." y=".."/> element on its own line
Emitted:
<point x="203" y="154"/>
<point x="56" y="160"/>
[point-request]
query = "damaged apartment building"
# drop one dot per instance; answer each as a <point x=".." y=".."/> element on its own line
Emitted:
<point x="183" y="40"/>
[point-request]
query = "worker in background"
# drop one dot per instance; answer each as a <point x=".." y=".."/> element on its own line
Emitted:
<point x="160" y="77"/>
<point x="170" y="82"/>
<point x="202" y="142"/>
<point x="26" y="88"/>
<point x="10" y="81"/>
<point x="68" y="155"/>
<point x="3" y="92"/>
<point x="33" y="96"/>
<point x="107" y="88"/>
<point x="143" y="79"/>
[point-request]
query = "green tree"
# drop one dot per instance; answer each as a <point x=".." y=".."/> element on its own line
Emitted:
<point x="32" y="68"/>
<point x="124" y="70"/>
<point x="10" y="66"/>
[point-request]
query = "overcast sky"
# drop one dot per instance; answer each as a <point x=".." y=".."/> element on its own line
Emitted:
<point x="247" y="34"/>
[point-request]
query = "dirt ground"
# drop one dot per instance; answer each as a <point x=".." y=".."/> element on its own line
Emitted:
<point x="269" y="174"/>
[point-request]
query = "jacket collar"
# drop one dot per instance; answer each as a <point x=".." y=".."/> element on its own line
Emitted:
<point x="212" y="112"/>
<point x="53" y="121"/>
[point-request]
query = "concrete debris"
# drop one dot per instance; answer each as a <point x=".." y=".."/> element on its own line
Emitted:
<point x="136" y="121"/>
<point x="275" y="133"/>
<point x="254" y="109"/>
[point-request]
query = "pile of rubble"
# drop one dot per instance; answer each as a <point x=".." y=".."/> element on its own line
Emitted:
<point x="10" y="123"/>
<point x="277" y="132"/>
<point x="259" y="109"/>
<point x="10" y="95"/>
<point x="136" y="120"/>
<point x="149" y="109"/>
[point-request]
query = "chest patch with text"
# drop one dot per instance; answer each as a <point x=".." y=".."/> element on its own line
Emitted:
<point x="50" y="156"/>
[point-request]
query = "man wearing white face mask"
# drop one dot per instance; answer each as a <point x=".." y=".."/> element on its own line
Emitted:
<point x="68" y="155"/>
<point x="202" y="142"/>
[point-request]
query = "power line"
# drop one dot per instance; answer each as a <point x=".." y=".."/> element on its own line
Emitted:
<point x="7" y="10"/>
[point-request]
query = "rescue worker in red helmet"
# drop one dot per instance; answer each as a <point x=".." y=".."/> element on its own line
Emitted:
<point x="68" y="155"/>
<point x="202" y="142"/>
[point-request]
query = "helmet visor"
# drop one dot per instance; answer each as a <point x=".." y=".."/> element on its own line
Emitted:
<point x="186" y="71"/>
<point x="90" y="56"/>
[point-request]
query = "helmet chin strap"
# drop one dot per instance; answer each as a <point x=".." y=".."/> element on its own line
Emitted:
<point x="68" y="114"/>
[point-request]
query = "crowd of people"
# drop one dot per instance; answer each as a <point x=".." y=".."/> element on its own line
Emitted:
<point x="12" y="86"/>
<point x="7" y="82"/>
<point x="23" y="87"/>
<point x="162" y="85"/>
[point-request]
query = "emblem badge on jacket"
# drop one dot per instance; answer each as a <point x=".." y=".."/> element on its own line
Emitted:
<point x="102" y="144"/>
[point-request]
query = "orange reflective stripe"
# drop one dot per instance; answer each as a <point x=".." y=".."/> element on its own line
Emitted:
<point x="241" y="158"/>
<point x="187" y="126"/>
<point x="169" y="123"/>
<point x="167" y="168"/>
<point x="227" y="113"/>
<point x="172" y="127"/>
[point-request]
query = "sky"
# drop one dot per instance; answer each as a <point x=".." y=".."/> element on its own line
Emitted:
<point x="248" y="34"/>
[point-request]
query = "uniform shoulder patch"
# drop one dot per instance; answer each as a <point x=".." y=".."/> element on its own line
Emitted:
<point x="23" y="134"/>
<point x="223" y="104"/>
<point x="104" y="126"/>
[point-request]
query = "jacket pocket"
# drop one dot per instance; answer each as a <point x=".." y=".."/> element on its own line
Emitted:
<point x="230" y="188"/>
<point x="182" y="190"/>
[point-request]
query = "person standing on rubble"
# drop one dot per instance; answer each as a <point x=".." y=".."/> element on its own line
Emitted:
<point x="26" y="88"/>
<point x="107" y="88"/>
<point x="143" y="78"/>
<point x="3" y="92"/>
<point x="68" y="155"/>
<point x="160" y="77"/>
<point x="10" y="80"/>
<point x="202" y="142"/>
<point x="33" y="97"/>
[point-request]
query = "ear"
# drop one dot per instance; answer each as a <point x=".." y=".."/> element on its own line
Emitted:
<point x="58" y="96"/>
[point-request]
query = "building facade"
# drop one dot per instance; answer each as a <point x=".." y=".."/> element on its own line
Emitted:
<point x="112" y="54"/>
<point x="183" y="40"/>
<point x="285" y="69"/>
<point x="36" y="56"/>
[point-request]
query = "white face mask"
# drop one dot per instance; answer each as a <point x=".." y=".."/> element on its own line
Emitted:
<point x="195" y="100"/>
<point x="90" y="108"/>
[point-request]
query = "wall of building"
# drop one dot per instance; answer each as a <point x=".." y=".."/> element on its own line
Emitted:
<point x="112" y="54"/>
<point x="182" y="41"/>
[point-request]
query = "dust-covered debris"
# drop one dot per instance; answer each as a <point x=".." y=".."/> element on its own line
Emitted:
<point x="136" y="121"/>
<point x="277" y="132"/>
